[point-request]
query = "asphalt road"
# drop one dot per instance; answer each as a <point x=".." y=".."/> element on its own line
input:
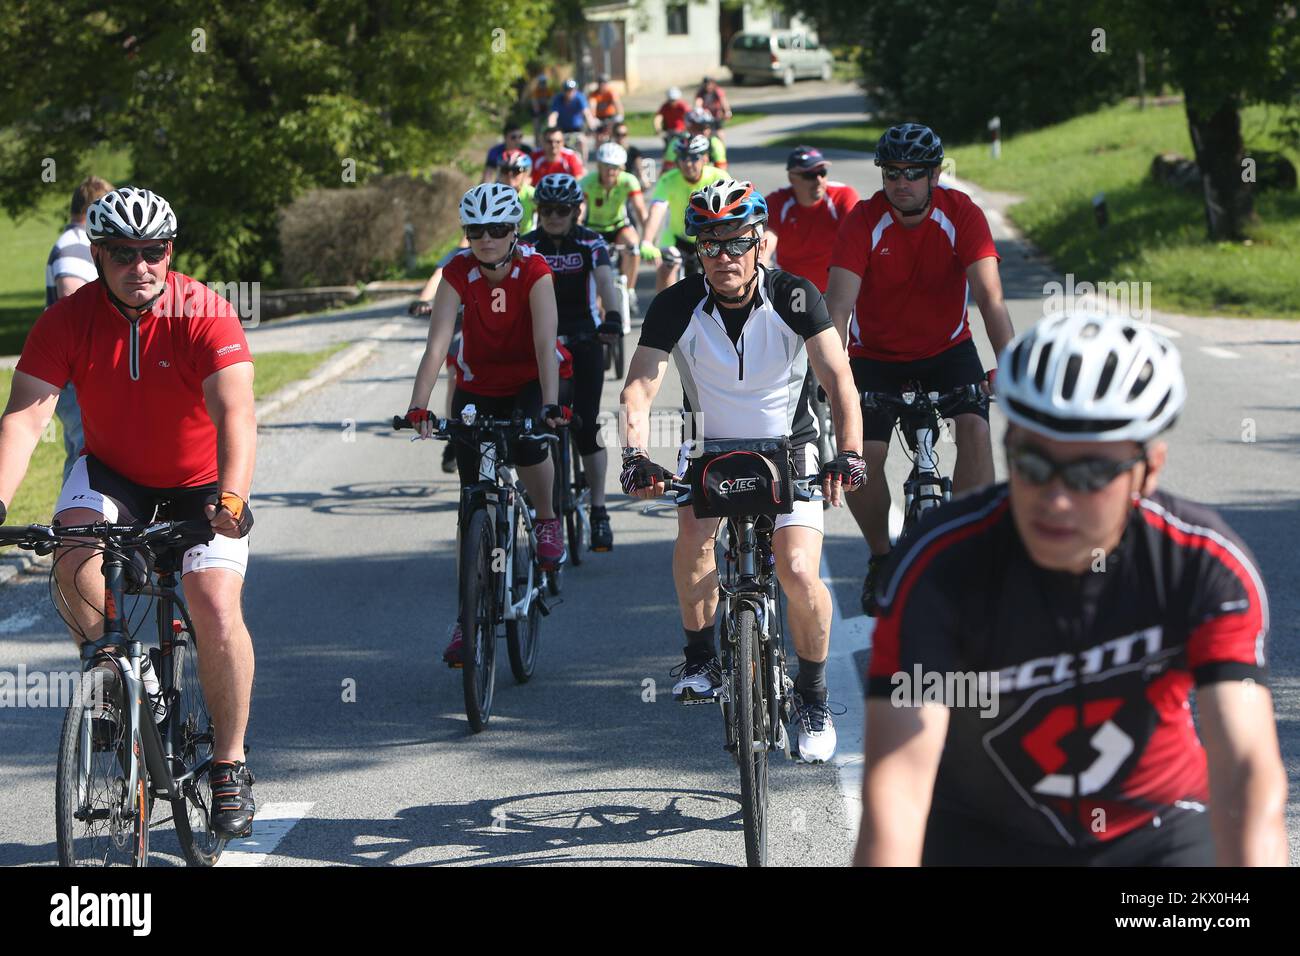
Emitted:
<point x="351" y="592"/>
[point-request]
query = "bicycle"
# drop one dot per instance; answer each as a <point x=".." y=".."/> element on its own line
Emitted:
<point x="919" y="419"/>
<point x="757" y="695"/>
<point x="117" y="753"/>
<point x="614" y="354"/>
<point x="500" y="580"/>
<point x="572" y="498"/>
<point x="821" y="407"/>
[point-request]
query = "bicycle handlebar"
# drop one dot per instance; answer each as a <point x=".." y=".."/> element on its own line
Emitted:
<point x="805" y="489"/>
<point x="922" y="400"/>
<point x="43" y="538"/>
<point x="446" y="427"/>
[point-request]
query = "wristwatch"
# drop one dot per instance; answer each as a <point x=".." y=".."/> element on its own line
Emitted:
<point x="630" y="451"/>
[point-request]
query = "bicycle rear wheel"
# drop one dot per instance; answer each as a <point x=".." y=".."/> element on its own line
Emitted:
<point x="576" y="524"/>
<point x="751" y="734"/>
<point x="478" y="620"/>
<point x="188" y="711"/>
<point x="523" y="636"/>
<point x="99" y="820"/>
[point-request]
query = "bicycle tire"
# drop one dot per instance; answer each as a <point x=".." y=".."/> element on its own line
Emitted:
<point x="523" y="637"/>
<point x="574" y="526"/>
<point x="117" y="831"/>
<point x="751" y="735"/>
<point x="478" y="619"/>
<point x="195" y="740"/>
<point x="559" y="502"/>
<point x="619" y="370"/>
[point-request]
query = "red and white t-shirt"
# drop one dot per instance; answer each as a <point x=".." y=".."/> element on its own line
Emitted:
<point x="496" y="355"/>
<point x="141" y="395"/>
<point x="912" y="304"/>
<point x="568" y="162"/>
<point x="806" y="234"/>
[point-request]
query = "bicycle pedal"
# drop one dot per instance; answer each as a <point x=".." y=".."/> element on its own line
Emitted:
<point x="545" y="607"/>
<point x="690" y="698"/>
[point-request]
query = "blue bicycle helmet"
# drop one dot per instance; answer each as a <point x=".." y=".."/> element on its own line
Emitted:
<point x="725" y="202"/>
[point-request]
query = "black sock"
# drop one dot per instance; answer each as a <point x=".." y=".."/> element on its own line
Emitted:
<point x="811" y="681"/>
<point x="699" y="644"/>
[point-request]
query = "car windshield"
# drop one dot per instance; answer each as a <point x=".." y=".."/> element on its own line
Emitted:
<point x="751" y="41"/>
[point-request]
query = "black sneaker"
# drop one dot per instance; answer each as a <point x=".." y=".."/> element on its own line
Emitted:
<point x="869" y="585"/>
<point x="602" y="535"/>
<point x="449" y="458"/>
<point x="697" y="681"/>
<point x="232" y="799"/>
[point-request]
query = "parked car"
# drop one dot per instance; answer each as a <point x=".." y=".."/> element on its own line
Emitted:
<point x="783" y="55"/>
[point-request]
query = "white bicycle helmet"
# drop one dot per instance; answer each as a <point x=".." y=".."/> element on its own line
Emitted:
<point x="674" y="93"/>
<point x="697" y="145"/>
<point x="130" y="213"/>
<point x="611" y="154"/>
<point x="1087" y="376"/>
<point x="491" y="202"/>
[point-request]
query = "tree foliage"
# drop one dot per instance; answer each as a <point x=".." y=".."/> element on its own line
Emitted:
<point x="231" y="108"/>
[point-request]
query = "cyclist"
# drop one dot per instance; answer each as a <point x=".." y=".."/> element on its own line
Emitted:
<point x="742" y="337"/>
<point x="165" y="378"/>
<point x="513" y="140"/>
<point x="700" y="123"/>
<point x="1097" y="603"/>
<point x="539" y="105"/>
<point x="903" y="264"/>
<point x="634" y="155"/>
<point x="670" y="119"/>
<point x="609" y="190"/>
<point x="506" y="361"/>
<point x="605" y="104"/>
<point x="668" y="206"/>
<point x="555" y="157"/>
<point x="579" y="260"/>
<point x="712" y="98"/>
<point x="808" y="213"/>
<point x="572" y="114"/>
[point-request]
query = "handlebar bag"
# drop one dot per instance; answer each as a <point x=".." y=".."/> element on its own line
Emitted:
<point x="731" y="478"/>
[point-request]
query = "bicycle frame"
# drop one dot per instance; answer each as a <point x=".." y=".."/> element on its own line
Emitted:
<point x="497" y="490"/>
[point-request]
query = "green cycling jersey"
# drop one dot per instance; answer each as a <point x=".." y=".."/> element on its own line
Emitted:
<point x="607" y="208"/>
<point x="673" y="189"/>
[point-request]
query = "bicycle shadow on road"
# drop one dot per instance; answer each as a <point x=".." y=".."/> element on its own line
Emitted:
<point x="560" y="826"/>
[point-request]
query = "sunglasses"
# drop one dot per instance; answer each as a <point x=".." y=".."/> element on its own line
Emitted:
<point x="126" y="255"/>
<point x="813" y="174"/>
<point x="514" y="135"/>
<point x="549" y="210"/>
<point x="712" y="248"/>
<point x="515" y="170"/>
<point x="497" y="230"/>
<point x="910" y="173"/>
<point x="1082" y="474"/>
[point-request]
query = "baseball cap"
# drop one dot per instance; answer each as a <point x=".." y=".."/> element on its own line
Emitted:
<point x="806" y="157"/>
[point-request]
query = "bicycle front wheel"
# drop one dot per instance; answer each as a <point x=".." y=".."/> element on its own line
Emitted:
<point x="523" y="634"/>
<point x="100" y="819"/>
<point x="751" y="734"/>
<point x="478" y="620"/>
<point x="194" y="735"/>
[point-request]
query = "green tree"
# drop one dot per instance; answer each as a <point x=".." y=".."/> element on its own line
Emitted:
<point x="231" y="108"/>
<point x="1224" y="56"/>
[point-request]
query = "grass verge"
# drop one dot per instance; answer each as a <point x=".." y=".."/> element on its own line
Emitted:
<point x="856" y="136"/>
<point x="1156" y="234"/>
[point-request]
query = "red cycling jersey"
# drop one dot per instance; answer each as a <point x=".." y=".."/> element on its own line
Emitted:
<point x="806" y="234"/>
<point x="496" y="355"/>
<point x="674" y="115"/>
<point x="569" y="162"/>
<point x="912" y="303"/>
<point x="141" y="395"/>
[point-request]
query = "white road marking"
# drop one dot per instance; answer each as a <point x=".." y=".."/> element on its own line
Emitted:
<point x="1165" y="331"/>
<point x="18" y="621"/>
<point x="1216" y="352"/>
<point x="272" y="823"/>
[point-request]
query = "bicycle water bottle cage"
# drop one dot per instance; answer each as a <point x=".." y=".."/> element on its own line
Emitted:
<point x="732" y="478"/>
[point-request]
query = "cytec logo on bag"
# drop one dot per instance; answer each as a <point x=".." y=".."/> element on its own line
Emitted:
<point x="737" y="485"/>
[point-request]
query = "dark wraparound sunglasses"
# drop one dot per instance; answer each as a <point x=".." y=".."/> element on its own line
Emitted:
<point x="812" y="174"/>
<point x="910" y="173"/>
<point x="1081" y="474"/>
<point x="497" y="230"/>
<point x="712" y="248"/>
<point x="126" y="255"/>
<point x="547" y="209"/>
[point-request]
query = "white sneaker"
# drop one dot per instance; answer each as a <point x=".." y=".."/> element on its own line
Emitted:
<point x="816" y="731"/>
<point x="699" y="680"/>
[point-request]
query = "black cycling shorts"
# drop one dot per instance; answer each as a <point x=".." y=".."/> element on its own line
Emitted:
<point x="582" y="392"/>
<point x="527" y="400"/>
<point x="1182" y="839"/>
<point x="958" y="366"/>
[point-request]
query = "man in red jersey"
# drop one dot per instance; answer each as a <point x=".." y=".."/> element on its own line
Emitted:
<point x="806" y="217"/>
<point x="555" y="157"/>
<point x="165" y="378"/>
<point x="904" y="266"/>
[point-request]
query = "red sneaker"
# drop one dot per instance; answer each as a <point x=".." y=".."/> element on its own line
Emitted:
<point x="454" y="655"/>
<point x="550" y="543"/>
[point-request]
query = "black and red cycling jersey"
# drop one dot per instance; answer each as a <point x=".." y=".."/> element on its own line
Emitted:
<point x="1091" y="736"/>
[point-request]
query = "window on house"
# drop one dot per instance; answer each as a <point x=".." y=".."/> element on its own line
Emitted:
<point x="677" y="19"/>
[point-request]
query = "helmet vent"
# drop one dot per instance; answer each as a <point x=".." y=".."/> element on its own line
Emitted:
<point x="1107" y="373"/>
<point x="1040" y="374"/>
<point x="1072" y="366"/>
<point x="1139" y="386"/>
